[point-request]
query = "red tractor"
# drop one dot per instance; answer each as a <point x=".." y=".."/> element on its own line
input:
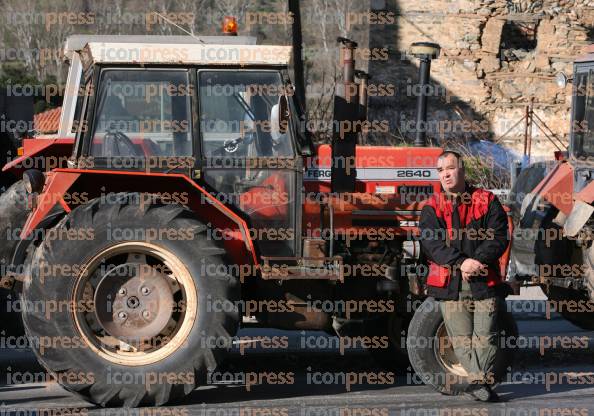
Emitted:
<point x="193" y="203"/>
<point x="551" y="203"/>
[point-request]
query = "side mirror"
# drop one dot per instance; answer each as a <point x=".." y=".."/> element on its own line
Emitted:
<point x="562" y="80"/>
<point x="279" y="118"/>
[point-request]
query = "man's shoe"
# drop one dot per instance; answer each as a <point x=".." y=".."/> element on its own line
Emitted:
<point x="468" y="391"/>
<point x="482" y="393"/>
<point x="494" y="397"/>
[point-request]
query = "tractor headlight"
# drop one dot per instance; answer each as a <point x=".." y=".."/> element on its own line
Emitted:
<point x="34" y="180"/>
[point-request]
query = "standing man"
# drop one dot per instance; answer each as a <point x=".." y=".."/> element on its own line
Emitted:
<point x="465" y="232"/>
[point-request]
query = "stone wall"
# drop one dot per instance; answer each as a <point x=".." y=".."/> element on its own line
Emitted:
<point x="497" y="57"/>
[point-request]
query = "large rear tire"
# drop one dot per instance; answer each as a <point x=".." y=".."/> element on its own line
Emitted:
<point x="564" y="252"/>
<point x="143" y="330"/>
<point x="435" y="361"/>
<point x="14" y="211"/>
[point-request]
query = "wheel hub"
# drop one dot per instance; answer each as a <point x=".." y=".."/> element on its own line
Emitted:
<point x="446" y="354"/>
<point x="133" y="303"/>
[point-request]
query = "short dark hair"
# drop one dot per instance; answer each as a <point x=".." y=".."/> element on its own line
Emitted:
<point x="457" y="155"/>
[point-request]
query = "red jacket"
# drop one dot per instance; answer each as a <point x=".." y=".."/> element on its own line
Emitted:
<point x="476" y="227"/>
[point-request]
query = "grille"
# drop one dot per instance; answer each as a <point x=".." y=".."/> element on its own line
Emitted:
<point x="415" y="189"/>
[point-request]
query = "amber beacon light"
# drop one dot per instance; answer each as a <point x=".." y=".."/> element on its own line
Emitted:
<point x="230" y="26"/>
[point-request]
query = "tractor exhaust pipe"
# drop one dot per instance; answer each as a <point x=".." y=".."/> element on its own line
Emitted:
<point x="345" y="130"/>
<point x="363" y="78"/>
<point x="347" y="62"/>
<point x="425" y="51"/>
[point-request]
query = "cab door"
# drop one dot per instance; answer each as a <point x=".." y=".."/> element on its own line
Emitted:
<point x="247" y="161"/>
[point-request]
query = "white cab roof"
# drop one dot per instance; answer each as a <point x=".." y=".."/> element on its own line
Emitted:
<point x="75" y="43"/>
<point x="187" y="54"/>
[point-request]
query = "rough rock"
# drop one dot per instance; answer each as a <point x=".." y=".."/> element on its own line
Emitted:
<point x="490" y="63"/>
<point x="491" y="39"/>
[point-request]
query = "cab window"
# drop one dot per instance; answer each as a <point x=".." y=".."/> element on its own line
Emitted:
<point x="142" y="113"/>
<point x="238" y="111"/>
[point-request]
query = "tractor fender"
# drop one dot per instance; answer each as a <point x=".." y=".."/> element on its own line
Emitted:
<point x="63" y="186"/>
<point x="41" y="153"/>
<point x="554" y="191"/>
<point x="557" y="188"/>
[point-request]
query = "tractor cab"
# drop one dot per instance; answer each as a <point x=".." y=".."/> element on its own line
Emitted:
<point x="225" y="118"/>
<point x="581" y="146"/>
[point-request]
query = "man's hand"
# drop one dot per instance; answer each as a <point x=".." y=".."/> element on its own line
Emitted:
<point x="471" y="267"/>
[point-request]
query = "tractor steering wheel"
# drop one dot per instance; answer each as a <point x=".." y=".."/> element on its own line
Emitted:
<point x="118" y="144"/>
<point x="232" y="145"/>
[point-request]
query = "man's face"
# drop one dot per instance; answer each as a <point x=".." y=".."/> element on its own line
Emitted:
<point x="451" y="174"/>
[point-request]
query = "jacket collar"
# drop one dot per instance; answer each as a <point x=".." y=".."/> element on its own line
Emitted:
<point x="464" y="197"/>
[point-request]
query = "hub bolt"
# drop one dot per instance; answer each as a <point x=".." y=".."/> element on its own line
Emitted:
<point x="122" y="292"/>
<point x="122" y="315"/>
<point x="145" y="290"/>
<point x="145" y="314"/>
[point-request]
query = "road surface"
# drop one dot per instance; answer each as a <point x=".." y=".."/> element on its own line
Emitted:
<point x="548" y="382"/>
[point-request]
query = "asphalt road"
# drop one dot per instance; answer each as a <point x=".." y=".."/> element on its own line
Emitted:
<point x="551" y="382"/>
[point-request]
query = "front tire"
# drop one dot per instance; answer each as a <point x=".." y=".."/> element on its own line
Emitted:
<point x="438" y="367"/>
<point x="141" y="308"/>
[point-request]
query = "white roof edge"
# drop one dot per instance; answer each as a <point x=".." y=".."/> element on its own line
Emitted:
<point x="172" y="54"/>
<point x="77" y="42"/>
